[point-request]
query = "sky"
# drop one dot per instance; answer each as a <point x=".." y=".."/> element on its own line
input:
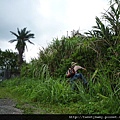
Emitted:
<point x="47" y="19"/>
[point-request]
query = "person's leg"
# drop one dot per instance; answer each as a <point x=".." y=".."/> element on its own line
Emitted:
<point x="72" y="81"/>
<point x="83" y="78"/>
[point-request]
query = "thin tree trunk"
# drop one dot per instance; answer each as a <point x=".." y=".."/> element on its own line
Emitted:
<point x="20" y="57"/>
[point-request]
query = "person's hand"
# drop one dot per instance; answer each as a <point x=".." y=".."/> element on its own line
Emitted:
<point x="85" y="69"/>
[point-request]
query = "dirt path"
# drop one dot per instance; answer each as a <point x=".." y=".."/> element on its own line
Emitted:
<point x="7" y="106"/>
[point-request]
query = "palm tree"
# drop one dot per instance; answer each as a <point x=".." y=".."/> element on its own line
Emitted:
<point x="21" y="38"/>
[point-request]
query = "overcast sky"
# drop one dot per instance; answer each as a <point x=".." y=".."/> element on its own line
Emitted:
<point x="47" y="19"/>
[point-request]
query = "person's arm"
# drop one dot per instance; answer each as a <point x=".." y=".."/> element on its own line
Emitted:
<point x="82" y="68"/>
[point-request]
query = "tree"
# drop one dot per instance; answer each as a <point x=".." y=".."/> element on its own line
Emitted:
<point x="21" y="38"/>
<point x="8" y="63"/>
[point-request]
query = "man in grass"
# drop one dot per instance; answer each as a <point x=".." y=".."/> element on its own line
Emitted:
<point x="74" y="74"/>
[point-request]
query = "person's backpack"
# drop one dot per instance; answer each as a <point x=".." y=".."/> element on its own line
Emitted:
<point x="70" y="73"/>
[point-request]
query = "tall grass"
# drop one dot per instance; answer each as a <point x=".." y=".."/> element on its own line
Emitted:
<point x="99" y="98"/>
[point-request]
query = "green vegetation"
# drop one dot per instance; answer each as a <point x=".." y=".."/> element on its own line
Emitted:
<point x="42" y="82"/>
<point x="8" y="61"/>
<point x="56" y="96"/>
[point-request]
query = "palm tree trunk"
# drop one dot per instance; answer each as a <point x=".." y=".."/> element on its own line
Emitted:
<point x="20" y="57"/>
<point x="20" y="61"/>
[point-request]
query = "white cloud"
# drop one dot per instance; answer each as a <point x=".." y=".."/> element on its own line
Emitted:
<point x="47" y="19"/>
<point x="81" y="13"/>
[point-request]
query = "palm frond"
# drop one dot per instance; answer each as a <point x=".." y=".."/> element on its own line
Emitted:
<point x="15" y="34"/>
<point x="27" y="32"/>
<point x="24" y="29"/>
<point x="18" y="31"/>
<point x="95" y="27"/>
<point x="31" y="35"/>
<point x="11" y="41"/>
<point x="26" y="47"/>
<point x="30" y="42"/>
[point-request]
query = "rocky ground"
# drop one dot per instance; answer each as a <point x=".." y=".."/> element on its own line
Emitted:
<point x="7" y="106"/>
